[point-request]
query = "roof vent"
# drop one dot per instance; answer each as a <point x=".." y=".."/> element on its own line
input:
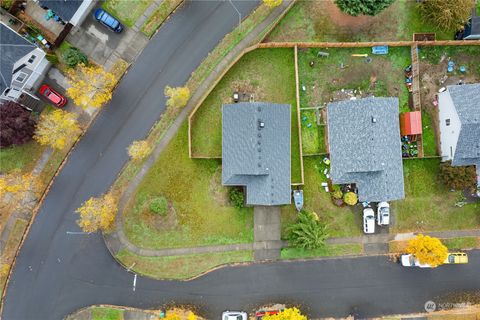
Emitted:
<point x="374" y="120"/>
<point x="261" y="124"/>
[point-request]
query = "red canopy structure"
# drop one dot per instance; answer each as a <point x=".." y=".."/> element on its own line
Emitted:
<point x="411" y="123"/>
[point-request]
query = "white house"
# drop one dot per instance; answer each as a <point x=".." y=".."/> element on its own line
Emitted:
<point x="459" y="116"/>
<point x="23" y="67"/>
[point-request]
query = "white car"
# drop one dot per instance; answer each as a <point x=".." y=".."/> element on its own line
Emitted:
<point x="368" y="220"/>
<point x="234" y="315"/>
<point x="383" y="214"/>
<point x="408" y="260"/>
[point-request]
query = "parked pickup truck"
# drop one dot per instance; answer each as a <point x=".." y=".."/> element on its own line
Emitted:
<point x="409" y="260"/>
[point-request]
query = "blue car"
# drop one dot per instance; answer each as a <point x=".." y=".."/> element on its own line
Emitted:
<point x="108" y="20"/>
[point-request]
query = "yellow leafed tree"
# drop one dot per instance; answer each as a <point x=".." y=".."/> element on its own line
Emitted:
<point x="139" y="150"/>
<point x="272" y="3"/>
<point x="91" y="86"/>
<point x="177" y="97"/>
<point x="428" y="250"/>
<point x="172" y="316"/>
<point x="287" y="314"/>
<point x="57" y="128"/>
<point x="97" y="213"/>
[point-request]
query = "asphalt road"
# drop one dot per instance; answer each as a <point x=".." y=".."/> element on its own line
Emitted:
<point x="58" y="272"/>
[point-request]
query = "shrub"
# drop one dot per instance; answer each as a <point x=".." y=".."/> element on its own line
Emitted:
<point x="73" y="56"/>
<point x="308" y="232"/>
<point x="16" y="125"/>
<point x="53" y="58"/>
<point x="237" y="198"/>
<point x="350" y="198"/>
<point x="159" y="206"/>
<point x="363" y="7"/>
<point x="337" y="192"/>
<point x="457" y="178"/>
<point x="139" y="150"/>
<point x="447" y="14"/>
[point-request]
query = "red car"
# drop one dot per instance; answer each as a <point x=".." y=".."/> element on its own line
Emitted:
<point x="53" y="96"/>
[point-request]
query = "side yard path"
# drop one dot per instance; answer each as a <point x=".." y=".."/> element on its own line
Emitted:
<point x="117" y="240"/>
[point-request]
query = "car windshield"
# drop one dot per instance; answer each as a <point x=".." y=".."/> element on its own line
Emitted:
<point x="384" y="210"/>
<point x="47" y="92"/>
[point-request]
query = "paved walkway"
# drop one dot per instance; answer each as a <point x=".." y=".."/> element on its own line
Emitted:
<point x="146" y="14"/>
<point x="117" y="240"/>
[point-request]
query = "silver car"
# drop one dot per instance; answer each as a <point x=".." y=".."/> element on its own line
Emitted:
<point x="234" y="315"/>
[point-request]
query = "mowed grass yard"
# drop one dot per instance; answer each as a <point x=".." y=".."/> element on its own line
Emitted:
<point x="126" y="11"/>
<point x="323" y="21"/>
<point x="182" y="267"/>
<point x="313" y="135"/>
<point x="269" y="74"/>
<point x="341" y="221"/>
<point x="428" y="205"/>
<point x="202" y="213"/>
<point x="22" y="157"/>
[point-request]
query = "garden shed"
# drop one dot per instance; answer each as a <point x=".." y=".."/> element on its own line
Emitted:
<point x="411" y="123"/>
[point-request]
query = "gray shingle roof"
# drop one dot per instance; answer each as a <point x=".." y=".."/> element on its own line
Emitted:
<point x="258" y="158"/>
<point x="12" y="48"/>
<point x="466" y="99"/>
<point x="64" y="8"/>
<point x="365" y="147"/>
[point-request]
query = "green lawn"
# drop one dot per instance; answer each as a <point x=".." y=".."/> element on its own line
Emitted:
<point x="181" y="267"/>
<point x="428" y="135"/>
<point x="428" y="205"/>
<point x="328" y="250"/>
<point x="268" y="74"/>
<point x="203" y="215"/>
<point x="341" y="222"/>
<point x="462" y="243"/>
<point x="313" y="135"/>
<point x="22" y="157"/>
<point x="383" y="76"/>
<point x="159" y="16"/>
<point x="101" y="313"/>
<point x="320" y="21"/>
<point x="126" y="11"/>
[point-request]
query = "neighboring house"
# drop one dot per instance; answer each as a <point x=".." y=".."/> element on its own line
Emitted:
<point x="472" y="29"/>
<point x="256" y="151"/>
<point x="23" y="67"/>
<point x="72" y="12"/>
<point x="365" y="147"/>
<point x="57" y="17"/>
<point x="459" y="117"/>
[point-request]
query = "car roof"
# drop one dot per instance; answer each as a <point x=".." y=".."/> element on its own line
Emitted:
<point x="109" y="20"/>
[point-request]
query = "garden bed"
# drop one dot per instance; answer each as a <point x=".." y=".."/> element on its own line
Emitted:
<point x="203" y="214"/>
<point x="323" y="21"/>
<point x="428" y="204"/>
<point x="269" y="75"/>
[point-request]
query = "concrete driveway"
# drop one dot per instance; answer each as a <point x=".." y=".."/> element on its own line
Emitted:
<point x="104" y="46"/>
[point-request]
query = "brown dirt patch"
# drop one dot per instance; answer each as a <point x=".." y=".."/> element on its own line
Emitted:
<point x="219" y="193"/>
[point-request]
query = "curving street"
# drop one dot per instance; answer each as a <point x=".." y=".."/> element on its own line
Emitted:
<point x="60" y="270"/>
